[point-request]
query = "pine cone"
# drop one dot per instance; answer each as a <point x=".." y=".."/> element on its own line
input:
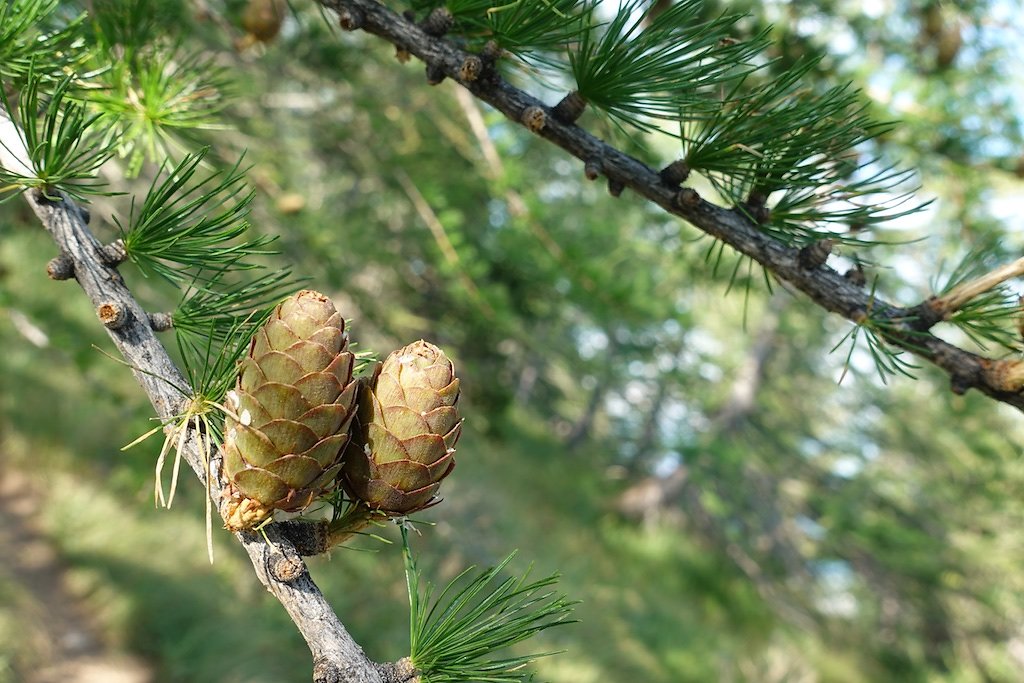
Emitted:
<point x="403" y="438"/>
<point x="294" y="402"/>
<point x="263" y="18"/>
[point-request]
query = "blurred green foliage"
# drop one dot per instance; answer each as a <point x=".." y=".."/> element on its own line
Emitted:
<point x="682" y="456"/>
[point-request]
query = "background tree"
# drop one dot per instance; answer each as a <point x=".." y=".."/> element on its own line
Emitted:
<point x="839" y="533"/>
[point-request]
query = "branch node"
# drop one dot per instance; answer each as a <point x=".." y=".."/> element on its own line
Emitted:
<point x="675" y="174"/>
<point x="112" y="315"/>
<point x="435" y="74"/>
<point x="570" y="108"/>
<point x="615" y="187"/>
<point x="924" y="316"/>
<point x="42" y="199"/>
<point x="61" y="268"/>
<point x="472" y="67"/>
<point x="1002" y="375"/>
<point x="438" y="22"/>
<point x="855" y="275"/>
<point x="309" y="538"/>
<point x="326" y="671"/>
<point x="351" y="19"/>
<point x="402" y="671"/>
<point x="815" y="254"/>
<point x="114" y="254"/>
<point x="161" y="322"/>
<point x="688" y="197"/>
<point x="287" y="569"/>
<point x="592" y="168"/>
<point x="959" y="385"/>
<point x="756" y="207"/>
<point x="534" y="119"/>
<point x="491" y="52"/>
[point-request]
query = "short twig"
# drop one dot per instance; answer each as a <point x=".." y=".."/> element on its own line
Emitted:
<point x="952" y="301"/>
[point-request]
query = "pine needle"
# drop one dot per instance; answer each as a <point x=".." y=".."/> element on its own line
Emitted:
<point x="455" y="637"/>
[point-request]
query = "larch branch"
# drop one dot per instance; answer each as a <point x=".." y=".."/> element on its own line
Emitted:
<point x="337" y="657"/>
<point x="905" y="328"/>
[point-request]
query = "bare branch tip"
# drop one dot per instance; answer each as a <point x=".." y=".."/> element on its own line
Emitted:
<point x="60" y="268"/>
<point x="959" y="385"/>
<point x="534" y="119"/>
<point x="435" y="74"/>
<point x="288" y="569"/>
<point x="472" y="67"/>
<point x="688" y="197"/>
<point x="351" y="19"/>
<point x="112" y="315"/>
<point x="615" y="187"/>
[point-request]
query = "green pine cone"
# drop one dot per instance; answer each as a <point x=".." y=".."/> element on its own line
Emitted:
<point x="404" y="434"/>
<point x="294" y="402"/>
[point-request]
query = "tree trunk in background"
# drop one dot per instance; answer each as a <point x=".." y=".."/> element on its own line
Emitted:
<point x="583" y="426"/>
<point x="765" y="545"/>
<point x="648" y="441"/>
<point x="641" y="499"/>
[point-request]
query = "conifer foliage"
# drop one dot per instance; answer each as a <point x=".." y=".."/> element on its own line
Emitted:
<point x="265" y="405"/>
<point x="276" y="413"/>
<point x="794" y="169"/>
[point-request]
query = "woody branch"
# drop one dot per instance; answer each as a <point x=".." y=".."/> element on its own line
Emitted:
<point x="906" y="327"/>
<point x="337" y="658"/>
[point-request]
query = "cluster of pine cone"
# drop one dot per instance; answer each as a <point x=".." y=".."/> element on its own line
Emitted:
<point x="300" y="426"/>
